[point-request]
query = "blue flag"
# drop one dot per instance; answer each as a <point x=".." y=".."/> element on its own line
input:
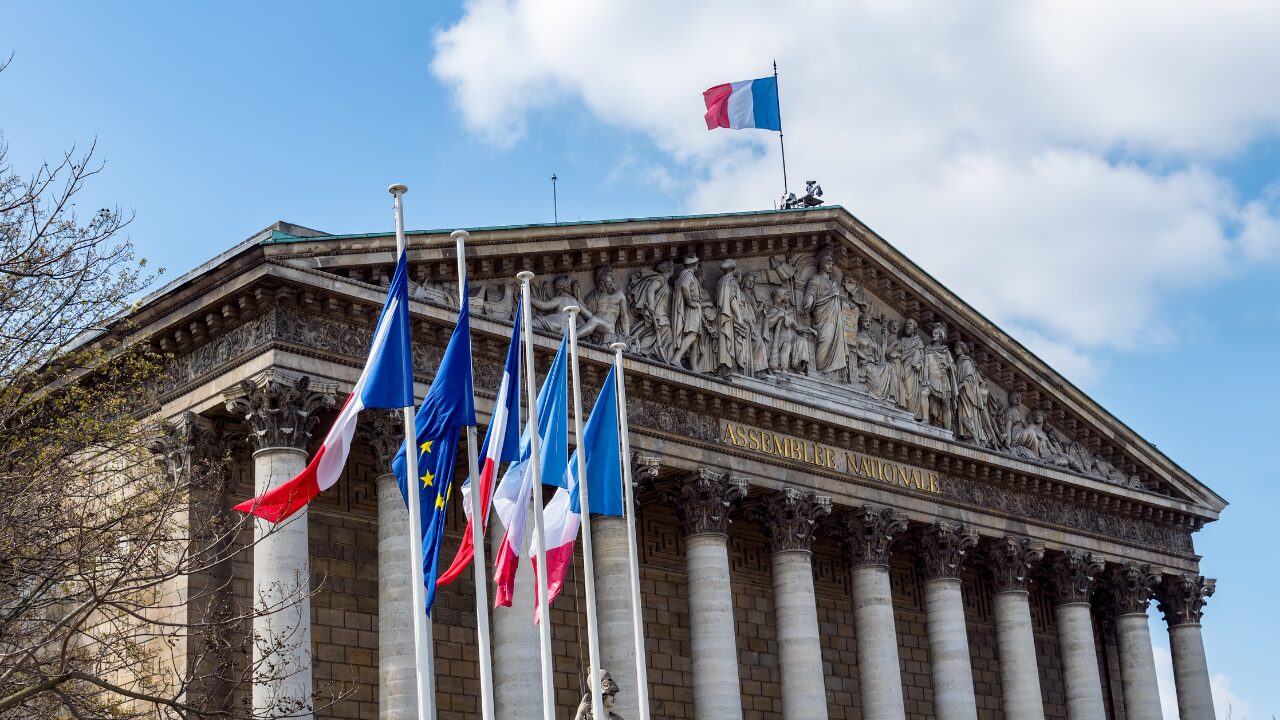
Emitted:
<point x="448" y="407"/>
<point x="604" y="455"/>
<point x="553" y="420"/>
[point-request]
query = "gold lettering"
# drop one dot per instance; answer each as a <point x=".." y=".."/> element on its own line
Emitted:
<point x="741" y="436"/>
<point x="866" y="468"/>
<point x="851" y="463"/>
<point x="933" y="483"/>
<point x="831" y="458"/>
<point x="753" y="439"/>
<point x="793" y="449"/>
<point x="778" y="448"/>
<point x="728" y="435"/>
<point x="900" y="475"/>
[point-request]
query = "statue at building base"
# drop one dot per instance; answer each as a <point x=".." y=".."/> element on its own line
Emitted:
<point x="608" y="693"/>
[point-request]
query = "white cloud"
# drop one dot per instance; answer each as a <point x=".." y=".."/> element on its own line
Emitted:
<point x="1047" y="161"/>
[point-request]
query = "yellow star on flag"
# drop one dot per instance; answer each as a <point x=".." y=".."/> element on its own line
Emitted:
<point x="426" y="446"/>
<point x="439" y="502"/>
<point x="427" y="479"/>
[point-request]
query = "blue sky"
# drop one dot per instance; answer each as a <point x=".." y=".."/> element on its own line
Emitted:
<point x="1102" y="181"/>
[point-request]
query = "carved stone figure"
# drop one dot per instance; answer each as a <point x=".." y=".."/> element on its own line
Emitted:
<point x="873" y="370"/>
<point x="893" y="360"/>
<point x="496" y="301"/>
<point x="1078" y="456"/>
<point x="608" y="694"/>
<point x="609" y="317"/>
<point x="733" y="344"/>
<point x="938" y="381"/>
<point x="1032" y="442"/>
<point x="650" y="294"/>
<point x="972" y="402"/>
<point x="910" y="350"/>
<point x="824" y="303"/>
<point x="688" y="308"/>
<point x="753" y="317"/>
<point x="564" y="292"/>
<point x="789" y="342"/>
<point x="1011" y="420"/>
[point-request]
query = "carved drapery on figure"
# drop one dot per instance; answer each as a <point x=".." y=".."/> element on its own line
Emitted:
<point x="1072" y="573"/>
<point x="944" y="546"/>
<point x="279" y="411"/>
<point x="703" y="501"/>
<point x="1182" y="597"/>
<point x="791" y="516"/>
<point x="868" y="533"/>
<point x="1130" y="586"/>
<point x="1011" y="559"/>
<point x="650" y="294"/>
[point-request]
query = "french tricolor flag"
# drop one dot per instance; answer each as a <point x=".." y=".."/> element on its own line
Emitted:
<point x="744" y="104"/>
<point x="501" y="444"/>
<point x="385" y="382"/>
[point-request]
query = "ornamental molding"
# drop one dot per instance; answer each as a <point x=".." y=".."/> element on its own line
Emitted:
<point x="1182" y="597"/>
<point x="1072" y="573"/>
<point x="944" y="546"/>
<point x="188" y="446"/>
<point x="383" y="432"/>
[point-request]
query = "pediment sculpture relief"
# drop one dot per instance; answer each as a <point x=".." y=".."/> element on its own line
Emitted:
<point x="799" y="321"/>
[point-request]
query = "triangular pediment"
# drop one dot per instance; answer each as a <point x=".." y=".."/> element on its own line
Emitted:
<point x="810" y="306"/>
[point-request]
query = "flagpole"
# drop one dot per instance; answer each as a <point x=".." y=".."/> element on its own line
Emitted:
<point x="781" y="145"/>
<point x="637" y="610"/>
<point x="422" y="636"/>
<point x="535" y="467"/>
<point x="477" y="519"/>
<point x="593" y="635"/>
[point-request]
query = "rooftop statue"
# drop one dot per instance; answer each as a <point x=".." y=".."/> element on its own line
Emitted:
<point x="609" y="693"/>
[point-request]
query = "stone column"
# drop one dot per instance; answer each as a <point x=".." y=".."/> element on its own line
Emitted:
<point x="397" y="674"/>
<point x="1011" y="559"/>
<point x="703" y="504"/>
<point x="1072" y="573"/>
<point x="280" y="415"/>
<point x="869" y="533"/>
<point x="1131" y="586"/>
<point x="613" y="598"/>
<point x="944" y="547"/>
<point x="517" y="687"/>
<point x="790" y="517"/>
<point x="1182" y="599"/>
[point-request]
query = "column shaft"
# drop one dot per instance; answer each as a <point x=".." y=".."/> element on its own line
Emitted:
<point x="879" y="676"/>
<point x="613" y="609"/>
<point x="804" y="690"/>
<point x="1191" y="672"/>
<point x="1080" y="662"/>
<point x="717" y="694"/>
<point x="517" y="687"/>
<point x="953" y="695"/>
<point x="1019" y="672"/>
<point x="1138" y="668"/>
<point x="397" y="676"/>
<point x="281" y="582"/>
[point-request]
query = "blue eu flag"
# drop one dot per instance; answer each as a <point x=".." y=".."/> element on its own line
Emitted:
<point x="448" y="407"/>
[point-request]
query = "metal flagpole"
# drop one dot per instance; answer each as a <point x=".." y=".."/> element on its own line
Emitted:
<point x="637" y="611"/>
<point x="593" y="635"/>
<point x="785" y="190"/>
<point x="422" y="640"/>
<point x="535" y="467"/>
<point x="477" y="520"/>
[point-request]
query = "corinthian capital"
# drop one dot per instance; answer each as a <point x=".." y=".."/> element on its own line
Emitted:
<point x="945" y="545"/>
<point x="790" y="517"/>
<point x="383" y="432"/>
<point x="1011" y="559"/>
<point x="185" y="445"/>
<point x="1131" y="585"/>
<point x="1182" y="597"/>
<point x="869" y="532"/>
<point x="279" y="411"/>
<point x="704" y="499"/>
<point x="1072" y="573"/>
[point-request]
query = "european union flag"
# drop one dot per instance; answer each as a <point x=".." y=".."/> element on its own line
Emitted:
<point x="448" y="407"/>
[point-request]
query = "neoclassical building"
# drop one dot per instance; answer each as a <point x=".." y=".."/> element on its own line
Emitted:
<point x="858" y="498"/>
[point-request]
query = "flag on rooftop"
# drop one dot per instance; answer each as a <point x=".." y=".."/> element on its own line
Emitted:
<point x="744" y="104"/>
<point x="448" y="407"/>
<point x="385" y="382"/>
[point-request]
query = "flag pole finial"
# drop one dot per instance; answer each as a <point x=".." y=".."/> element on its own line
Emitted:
<point x="398" y="189"/>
